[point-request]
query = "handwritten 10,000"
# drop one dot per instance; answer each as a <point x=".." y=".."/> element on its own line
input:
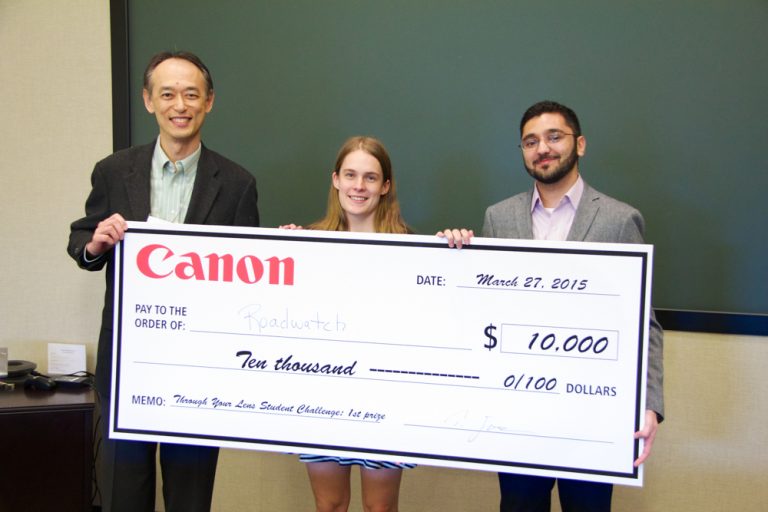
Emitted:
<point x="553" y="341"/>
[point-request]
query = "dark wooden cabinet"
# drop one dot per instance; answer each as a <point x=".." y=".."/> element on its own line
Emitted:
<point x="46" y="450"/>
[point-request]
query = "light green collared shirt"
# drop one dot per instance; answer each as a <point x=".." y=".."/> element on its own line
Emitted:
<point x="171" y="184"/>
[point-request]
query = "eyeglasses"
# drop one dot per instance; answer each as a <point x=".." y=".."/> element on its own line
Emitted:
<point x="552" y="138"/>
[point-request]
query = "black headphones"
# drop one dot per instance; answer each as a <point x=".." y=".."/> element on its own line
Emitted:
<point x="18" y="368"/>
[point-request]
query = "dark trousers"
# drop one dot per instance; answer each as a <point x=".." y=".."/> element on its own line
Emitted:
<point x="524" y="493"/>
<point x="128" y="477"/>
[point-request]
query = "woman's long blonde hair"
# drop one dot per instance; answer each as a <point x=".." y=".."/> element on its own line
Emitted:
<point x="387" y="217"/>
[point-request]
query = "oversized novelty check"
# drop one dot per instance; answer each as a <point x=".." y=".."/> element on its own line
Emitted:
<point x="516" y="356"/>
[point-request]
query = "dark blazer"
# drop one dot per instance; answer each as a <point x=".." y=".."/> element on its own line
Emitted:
<point x="599" y="218"/>
<point x="224" y="193"/>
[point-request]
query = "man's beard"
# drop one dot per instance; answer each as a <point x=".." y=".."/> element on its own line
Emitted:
<point x="556" y="174"/>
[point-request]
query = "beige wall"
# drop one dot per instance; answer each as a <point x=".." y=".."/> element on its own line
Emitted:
<point x="55" y="123"/>
<point x="711" y="454"/>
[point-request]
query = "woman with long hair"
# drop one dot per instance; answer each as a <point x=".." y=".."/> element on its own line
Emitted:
<point x="362" y="198"/>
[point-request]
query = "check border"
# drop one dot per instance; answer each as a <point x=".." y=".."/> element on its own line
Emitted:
<point x="437" y="459"/>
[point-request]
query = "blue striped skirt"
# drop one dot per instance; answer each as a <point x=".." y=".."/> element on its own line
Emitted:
<point x="370" y="464"/>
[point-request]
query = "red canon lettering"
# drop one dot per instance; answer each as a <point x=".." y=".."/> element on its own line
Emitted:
<point x="191" y="268"/>
<point x="212" y="267"/>
<point x="274" y="270"/>
<point x="142" y="260"/>
<point x="250" y="266"/>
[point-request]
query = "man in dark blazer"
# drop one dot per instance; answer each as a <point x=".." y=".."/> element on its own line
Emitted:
<point x="561" y="206"/>
<point x="177" y="179"/>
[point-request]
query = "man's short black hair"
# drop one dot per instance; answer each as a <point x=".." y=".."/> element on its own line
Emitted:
<point x="158" y="58"/>
<point x="552" y="107"/>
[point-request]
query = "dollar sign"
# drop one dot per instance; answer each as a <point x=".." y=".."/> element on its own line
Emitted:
<point x="492" y="341"/>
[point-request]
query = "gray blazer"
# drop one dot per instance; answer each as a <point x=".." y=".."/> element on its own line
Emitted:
<point x="599" y="218"/>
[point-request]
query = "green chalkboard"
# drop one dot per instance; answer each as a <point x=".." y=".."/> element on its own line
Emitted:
<point x="671" y="96"/>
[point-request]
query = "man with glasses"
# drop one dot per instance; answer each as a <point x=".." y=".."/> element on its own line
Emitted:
<point x="561" y="206"/>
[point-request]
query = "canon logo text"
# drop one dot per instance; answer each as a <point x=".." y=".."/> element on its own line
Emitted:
<point x="158" y="261"/>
